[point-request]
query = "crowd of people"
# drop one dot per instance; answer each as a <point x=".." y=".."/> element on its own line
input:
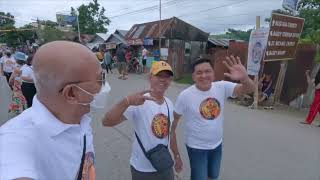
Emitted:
<point x="123" y="59"/>
<point x="16" y="66"/>
<point x="53" y="138"/>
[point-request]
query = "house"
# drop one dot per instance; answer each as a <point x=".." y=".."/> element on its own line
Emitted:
<point x="98" y="39"/>
<point x="181" y="43"/>
<point x="115" y="39"/>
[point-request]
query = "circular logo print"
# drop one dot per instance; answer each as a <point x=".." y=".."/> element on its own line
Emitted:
<point x="210" y="108"/>
<point x="159" y="126"/>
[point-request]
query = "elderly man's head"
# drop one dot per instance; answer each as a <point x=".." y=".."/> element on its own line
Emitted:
<point x="62" y="71"/>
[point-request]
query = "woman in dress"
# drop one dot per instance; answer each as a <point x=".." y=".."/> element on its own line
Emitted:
<point x="18" y="103"/>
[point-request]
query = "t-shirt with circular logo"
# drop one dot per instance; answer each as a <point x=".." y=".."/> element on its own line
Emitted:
<point x="203" y="114"/>
<point x="150" y="122"/>
<point x="210" y="108"/>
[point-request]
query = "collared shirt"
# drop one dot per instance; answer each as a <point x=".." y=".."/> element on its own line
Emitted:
<point x="37" y="145"/>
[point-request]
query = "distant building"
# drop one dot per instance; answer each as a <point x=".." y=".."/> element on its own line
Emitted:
<point x="181" y="43"/>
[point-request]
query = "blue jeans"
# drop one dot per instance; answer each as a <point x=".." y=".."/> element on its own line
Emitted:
<point x="205" y="163"/>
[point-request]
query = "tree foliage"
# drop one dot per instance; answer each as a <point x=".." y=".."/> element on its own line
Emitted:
<point x="14" y="36"/>
<point x="310" y="11"/>
<point x="91" y="18"/>
<point x="6" y="21"/>
<point x="279" y="11"/>
<point x="49" y="34"/>
<point x="235" y="34"/>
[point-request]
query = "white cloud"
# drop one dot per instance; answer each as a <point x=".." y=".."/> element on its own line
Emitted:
<point x="240" y="15"/>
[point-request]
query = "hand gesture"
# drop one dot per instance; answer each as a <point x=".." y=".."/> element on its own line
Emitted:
<point x="308" y="72"/>
<point x="139" y="98"/>
<point x="237" y="71"/>
<point x="178" y="164"/>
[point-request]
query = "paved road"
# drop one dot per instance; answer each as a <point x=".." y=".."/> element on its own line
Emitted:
<point x="258" y="144"/>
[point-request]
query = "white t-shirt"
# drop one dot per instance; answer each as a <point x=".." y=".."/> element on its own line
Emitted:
<point x="36" y="145"/>
<point x="203" y="114"/>
<point x="8" y="64"/>
<point x="27" y="71"/>
<point x="150" y="122"/>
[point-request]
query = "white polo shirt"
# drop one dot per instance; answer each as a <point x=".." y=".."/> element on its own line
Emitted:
<point x="37" y="145"/>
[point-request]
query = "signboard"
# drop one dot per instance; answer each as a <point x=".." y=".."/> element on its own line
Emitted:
<point x="148" y="41"/>
<point x="257" y="46"/>
<point x="290" y="4"/>
<point x="283" y="37"/>
<point x="135" y="42"/>
<point x="64" y="19"/>
<point x="164" y="53"/>
<point x="111" y="45"/>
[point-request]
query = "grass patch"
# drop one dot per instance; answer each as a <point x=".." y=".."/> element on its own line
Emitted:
<point x="186" y="79"/>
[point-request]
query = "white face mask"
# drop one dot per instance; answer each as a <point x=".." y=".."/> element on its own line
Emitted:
<point x="100" y="99"/>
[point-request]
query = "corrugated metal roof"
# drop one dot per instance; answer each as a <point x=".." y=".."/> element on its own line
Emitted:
<point x="173" y="28"/>
<point x="123" y="32"/>
<point x="104" y="36"/>
<point x="150" y="30"/>
<point x="219" y="42"/>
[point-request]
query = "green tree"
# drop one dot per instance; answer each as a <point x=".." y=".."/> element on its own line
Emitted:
<point x="11" y="35"/>
<point x="310" y="11"/>
<point x="6" y="21"/>
<point x="49" y="34"/>
<point x="279" y="11"/>
<point x="91" y="18"/>
<point x="235" y="34"/>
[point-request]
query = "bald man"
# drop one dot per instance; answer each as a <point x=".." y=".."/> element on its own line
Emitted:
<point x="52" y="140"/>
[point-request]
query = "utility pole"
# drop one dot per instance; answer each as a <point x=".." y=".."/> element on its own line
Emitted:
<point x="77" y="13"/>
<point x="160" y="30"/>
<point x="256" y="77"/>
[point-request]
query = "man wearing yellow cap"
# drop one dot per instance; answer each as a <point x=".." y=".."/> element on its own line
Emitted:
<point x="151" y="114"/>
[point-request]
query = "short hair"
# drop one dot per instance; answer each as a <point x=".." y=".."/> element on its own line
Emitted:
<point x="200" y="61"/>
<point x="29" y="59"/>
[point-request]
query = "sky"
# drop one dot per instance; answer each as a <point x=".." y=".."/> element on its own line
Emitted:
<point x="212" y="16"/>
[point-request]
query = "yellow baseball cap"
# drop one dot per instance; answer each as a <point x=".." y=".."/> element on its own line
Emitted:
<point x="159" y="66"/>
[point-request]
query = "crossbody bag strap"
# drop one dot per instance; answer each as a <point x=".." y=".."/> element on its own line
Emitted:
<point x="82" y="159"/>
<point x="139" y="141"/>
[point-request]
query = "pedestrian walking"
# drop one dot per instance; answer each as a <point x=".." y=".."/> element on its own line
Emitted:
<point x="122" y="63"/>
<point x="144" y="59"/>
<point x="315" y="106"/>
<point x="28" y="88"/>
<point x="18" y="101"/>
<point x="202" y="107"/>
<point x="9" y="64"/>
<point x="53" y="139"/>
<point x="151" y="114"/>
<point x="107" y="61"/>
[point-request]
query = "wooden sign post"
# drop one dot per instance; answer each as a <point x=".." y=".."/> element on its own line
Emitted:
<point x="282" y="44"/>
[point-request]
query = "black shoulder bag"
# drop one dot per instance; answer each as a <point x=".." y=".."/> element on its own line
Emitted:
<point x="159" y="156"/>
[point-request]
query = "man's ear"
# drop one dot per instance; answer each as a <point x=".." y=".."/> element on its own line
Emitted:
<point x="70" y="92"/>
